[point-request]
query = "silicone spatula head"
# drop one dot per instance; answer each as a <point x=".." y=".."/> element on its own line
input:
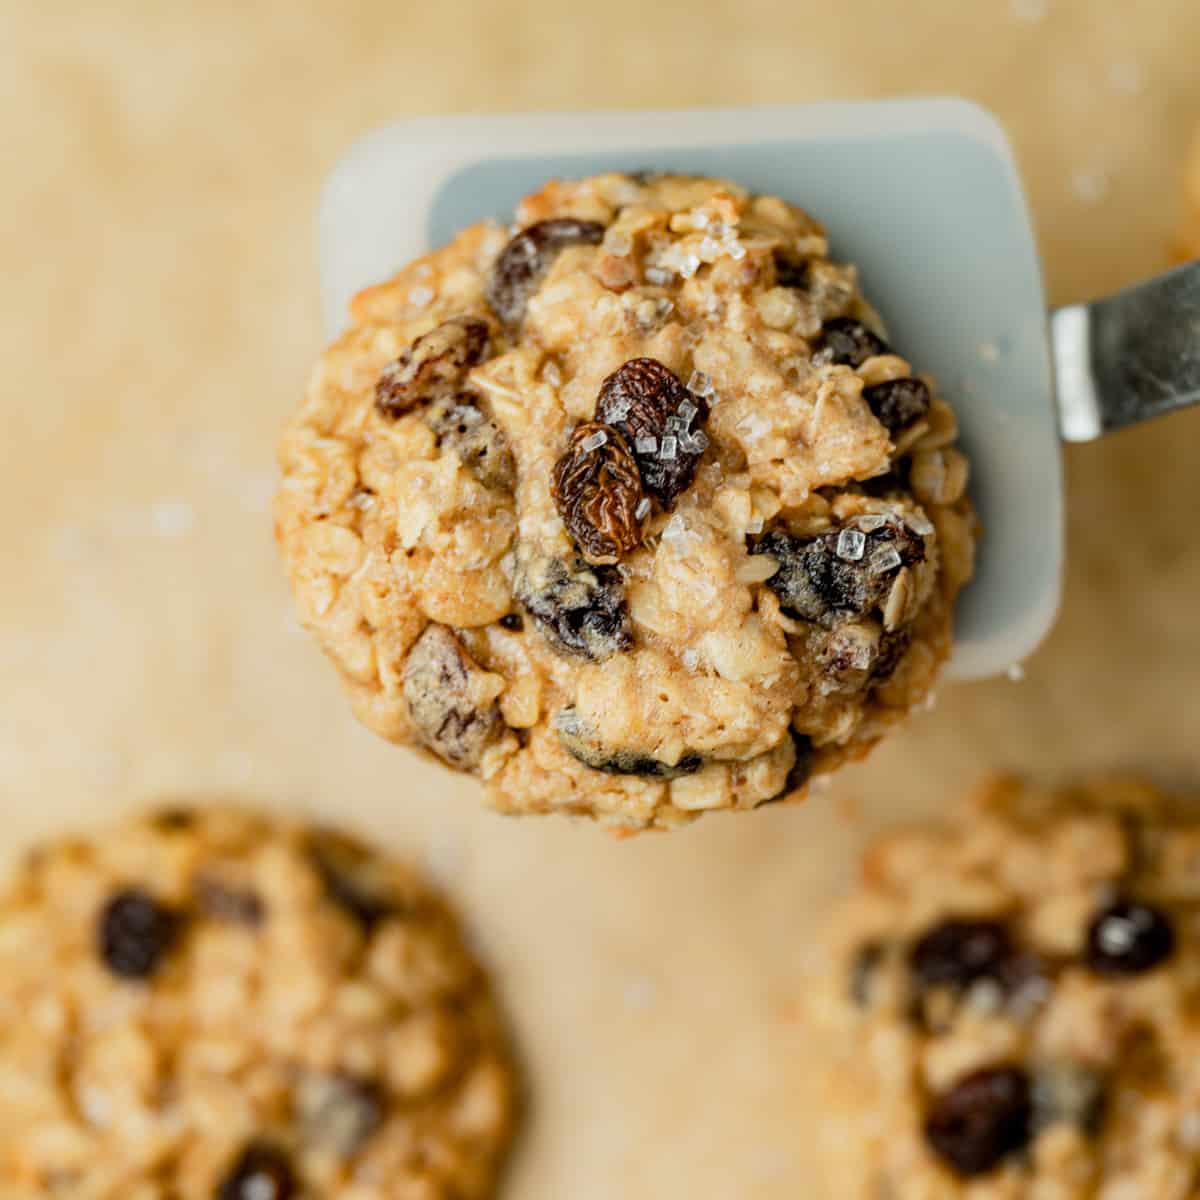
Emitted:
<point x="922" y="194"/>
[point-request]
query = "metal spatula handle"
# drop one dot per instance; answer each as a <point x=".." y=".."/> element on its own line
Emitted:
<point x="1129" y="357"/>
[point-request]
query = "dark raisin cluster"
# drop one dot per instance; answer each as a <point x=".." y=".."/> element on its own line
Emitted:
<point x="642" y="440"/>
<point x="844" y="572"/>
<point x="896" y="403"/>
<point x="656" y="414"/>
<point x="993" y="1113"/>
<point x="579" y="609"/>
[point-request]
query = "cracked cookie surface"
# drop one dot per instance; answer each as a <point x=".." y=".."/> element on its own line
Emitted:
<point x="1012" y="998"/>
<point x="210" y="1005"/>
<point x="681" y="517"/>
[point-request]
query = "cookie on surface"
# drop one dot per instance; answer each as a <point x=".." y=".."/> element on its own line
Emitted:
<point x="1013" y="998"/>
<point x="631" y="510"/>
<point x="212" y="1005"/>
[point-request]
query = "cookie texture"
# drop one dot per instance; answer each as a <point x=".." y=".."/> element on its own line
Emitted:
<point x="648" y="465"/>
<point x="1011" y="1002"/>
<point x="210" y="1005"/>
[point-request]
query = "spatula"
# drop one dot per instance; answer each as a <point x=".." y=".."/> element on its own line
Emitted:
<point x="924" y="195"/>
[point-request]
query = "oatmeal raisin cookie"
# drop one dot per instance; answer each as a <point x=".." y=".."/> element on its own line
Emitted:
<point x="210" y="1005"/>
<point x="630" y="509"/>
<point x="1016" y="1001"/>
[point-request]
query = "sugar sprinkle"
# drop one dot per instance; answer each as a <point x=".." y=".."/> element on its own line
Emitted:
<point x="851" y="545"/>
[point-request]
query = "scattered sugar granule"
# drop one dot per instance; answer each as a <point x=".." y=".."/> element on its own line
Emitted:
<point x="886" y="560"/>
<point x="551" y="374"/>
<point x="594" y="441"/>
<point x="691" y="659"/>
<point x="690" y="265"/>
<point x="872" y="522"/>
<point x="667" y="449"/>
<point x="659" y="276"/>
<point x="919" y="524"/>
<point x="646" y="445"/>
<point x="851" y="544"/>
<point x="643" y="507"/>
<point x="687" y="410"/>
<point x="700" y="384"/>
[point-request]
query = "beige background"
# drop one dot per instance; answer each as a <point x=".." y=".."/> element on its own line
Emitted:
<point x="162" y="162"/>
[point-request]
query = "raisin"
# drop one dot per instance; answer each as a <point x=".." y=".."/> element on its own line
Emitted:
<point x="581" y="742"/>
<point x="524" y="262"/>
<point x="433" y="367"/>
<point x="800" y="771"/>
<point x="463" y="428"/>
<point x="174" y="820"/>
<point x="957" y="953"/>
<point x="1070" y="1093"/>
<point x="863" y="970"/>
<point x="352" y="879"/>
<point x="262" y="1172"/>
<point x="893" y="646"/>
<point x="512" y="622"/>
<point x="791" y="271"/>
<point x="849" y="342"/>
<point x="338" y="1112"/>
<point x="644" y="399"/>
<point x="439" y="685"/>
<point x="818" y="583"/>
<point x="981" y="1120"/>
<point x="579" y="610"/>
<point x="798" y="776"/>
<point x="1128" y="938"/>
<point x="598" y="491"/>
<point x="222" y="901"/>
<point x="898" y="403"/>
<point x="135" y="934"/>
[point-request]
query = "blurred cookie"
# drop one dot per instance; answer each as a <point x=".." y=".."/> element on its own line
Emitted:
<point x="631" y="510"/>
<point x="1187" y="244"/>
<point x="1015" y="1002"/>
<point x="212" y="1005"/>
